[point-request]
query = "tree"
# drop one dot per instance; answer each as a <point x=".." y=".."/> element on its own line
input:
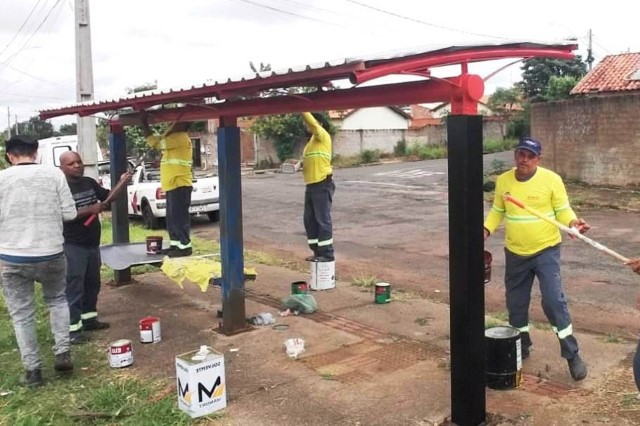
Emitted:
<point x="34" y="127"/>
<point x="502" y="103"/>
<point x="536" y="73"/>
<point x="68" y="129"/>
<point x="560" y="87"/>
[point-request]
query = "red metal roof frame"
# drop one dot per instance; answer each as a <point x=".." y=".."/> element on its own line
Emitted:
<point x="242" y="97"/>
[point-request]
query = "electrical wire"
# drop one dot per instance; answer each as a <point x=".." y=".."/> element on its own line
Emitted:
<point x="21" y="27"/>
<point x="418" y="21"/>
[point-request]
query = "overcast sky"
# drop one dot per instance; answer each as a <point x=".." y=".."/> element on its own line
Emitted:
<point x="190" y="42"/>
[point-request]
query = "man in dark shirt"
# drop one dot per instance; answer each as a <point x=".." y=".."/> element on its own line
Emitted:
<point x="82" y="248"/>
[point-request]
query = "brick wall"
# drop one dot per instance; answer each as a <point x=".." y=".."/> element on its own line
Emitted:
<point x="594" y="140"/>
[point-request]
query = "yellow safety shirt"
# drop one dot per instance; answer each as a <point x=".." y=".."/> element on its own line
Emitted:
<point x="175" y="166"/>
<point x="526" y="234"/>
<point x="317" y="152"/>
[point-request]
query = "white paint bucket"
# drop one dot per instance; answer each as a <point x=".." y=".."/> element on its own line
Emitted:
<point x="150" y="330"/>
<point x="323" y="275"/>
<point x="120" y="353"/>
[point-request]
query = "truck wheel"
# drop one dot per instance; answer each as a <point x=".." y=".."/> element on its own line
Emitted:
<point x="214" y="216"/>
<point x="149" y="220"/>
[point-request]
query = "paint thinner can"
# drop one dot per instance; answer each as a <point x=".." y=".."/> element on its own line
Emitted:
<point x="504" y="357"/>
<point x="383" y="293"/>
<point x="120" y="353"/>
<point x="154" y="244"/>
<point x="299" y="287"/>
<point x="150" y="330"/>
<point x="323" y="275"/>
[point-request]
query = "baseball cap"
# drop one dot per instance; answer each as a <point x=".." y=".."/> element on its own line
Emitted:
<point x="530" y="144"/>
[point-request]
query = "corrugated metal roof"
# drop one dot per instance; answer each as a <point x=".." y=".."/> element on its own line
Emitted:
<point x="400" y="61"/>
<point x="615" y="73"/>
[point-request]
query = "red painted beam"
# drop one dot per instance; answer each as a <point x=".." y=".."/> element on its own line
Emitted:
<point x="463" y="92"/>
<point x="381" y="69"/>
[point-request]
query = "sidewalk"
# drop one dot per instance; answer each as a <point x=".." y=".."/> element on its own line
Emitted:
<point x="365" y="364"/>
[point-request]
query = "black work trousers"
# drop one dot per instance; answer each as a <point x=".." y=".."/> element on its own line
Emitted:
<point x="178" y="217"/>
<point x="317" y="217"/>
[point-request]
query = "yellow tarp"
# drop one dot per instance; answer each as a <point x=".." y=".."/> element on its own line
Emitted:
<point x="198" y="270"/>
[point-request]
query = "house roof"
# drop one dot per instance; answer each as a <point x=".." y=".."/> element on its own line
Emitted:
<point x="615" y="73"/>
<point x="242" y="97"/>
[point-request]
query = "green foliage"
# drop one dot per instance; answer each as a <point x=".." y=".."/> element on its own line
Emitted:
<point x="426" y="151"/>
<point x="286" y="131"/>
<point x="400" y="148"/>
<point x="493" y="145"/>
<point x="520" y="124"/>
<point x="502" y="103"/>
<point x="34" y="127"/>
<point x="68" y="129"/>
<point x="560" y="87"/>
<point x="370" y="156"/>
<point x="536" y="73"/>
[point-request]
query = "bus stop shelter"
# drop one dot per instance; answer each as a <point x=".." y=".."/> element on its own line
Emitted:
<point x="339" y="85"/>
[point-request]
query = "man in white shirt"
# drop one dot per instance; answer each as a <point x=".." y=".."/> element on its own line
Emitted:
<point x="34" y="201"/>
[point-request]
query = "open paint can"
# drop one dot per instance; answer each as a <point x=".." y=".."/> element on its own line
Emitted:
<point x="154" y="244"/>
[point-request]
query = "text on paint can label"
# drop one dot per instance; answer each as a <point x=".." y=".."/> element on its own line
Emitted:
<point x="120" y="353"/>
<point x="150" y="330"/>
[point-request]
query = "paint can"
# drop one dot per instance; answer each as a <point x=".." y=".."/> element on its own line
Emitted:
<point x="487" y="266"/>
<point x="299" y="287"/>
<point x="323" y="275"/>
<point x="503" y="357"/>
<point x="150" y="330"/>
<point x="120" y="353"/>
<point x="154" y="244"/>
<point x="383" y="293"/>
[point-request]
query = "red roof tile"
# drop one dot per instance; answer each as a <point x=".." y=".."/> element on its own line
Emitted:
<point x="613" y="74"/>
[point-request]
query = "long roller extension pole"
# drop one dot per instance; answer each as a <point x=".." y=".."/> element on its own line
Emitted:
<point x="571" y="231"/>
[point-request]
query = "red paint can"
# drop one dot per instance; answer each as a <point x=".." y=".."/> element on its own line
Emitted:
<point x="150" y="330"/>
<point x="120" y="353"/>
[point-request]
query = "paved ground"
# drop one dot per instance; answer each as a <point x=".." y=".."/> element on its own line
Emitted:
<point x="365" y="364"/>
<point x="369" y="364"/>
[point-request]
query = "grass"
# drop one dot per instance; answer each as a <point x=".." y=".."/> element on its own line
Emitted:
<point x="365" y="282"/>
<point x="612" y="338"/>
<point x="95" y="393"/>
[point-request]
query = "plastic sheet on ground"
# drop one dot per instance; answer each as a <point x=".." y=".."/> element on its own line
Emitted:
<point x="199" y="270"/>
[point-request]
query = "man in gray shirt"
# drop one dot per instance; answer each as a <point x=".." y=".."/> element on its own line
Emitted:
<point x="34" y="201"/>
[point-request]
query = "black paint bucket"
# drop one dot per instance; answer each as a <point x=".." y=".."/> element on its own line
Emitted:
<point x="504" y="357"/>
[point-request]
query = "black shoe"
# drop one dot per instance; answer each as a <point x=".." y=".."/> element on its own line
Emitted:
<point x="577" y="368"/>
<point x="310" y="258"/>
<point x="63" y="362"/>
<point x="33" y="378"/>
<point x="323" y="259"/>
<point x="178" y="252"/>
<point x="94" y="325"/>
<point x="167" y="250"/>
<point x="525" y="352"/>
<point x="78" y="338"/>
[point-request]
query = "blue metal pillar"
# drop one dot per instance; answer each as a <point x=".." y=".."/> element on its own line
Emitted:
<point x="466" y="270"/>
<point x="231" y="239"/>
<point x="119" y="214"/>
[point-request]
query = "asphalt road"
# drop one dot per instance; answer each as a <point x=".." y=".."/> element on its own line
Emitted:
<point x="391" y="223"/>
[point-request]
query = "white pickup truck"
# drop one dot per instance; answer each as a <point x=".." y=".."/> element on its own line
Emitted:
<point x="147" y="199"/>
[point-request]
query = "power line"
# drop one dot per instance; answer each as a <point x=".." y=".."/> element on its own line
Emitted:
<point x="21" y="27"/>
<point x="442" y="27"/>
<point x="34" y="32"/>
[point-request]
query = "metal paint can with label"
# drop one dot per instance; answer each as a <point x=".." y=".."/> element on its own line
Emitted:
<point x="120" y="353"/>
<point x="150" y="330"/>
<point x="382" y="293"/>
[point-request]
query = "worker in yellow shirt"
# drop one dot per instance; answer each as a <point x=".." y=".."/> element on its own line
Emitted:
<point x="532" y="247"/>
<point x="318" y="195"/>
<point x="176" y="179"/>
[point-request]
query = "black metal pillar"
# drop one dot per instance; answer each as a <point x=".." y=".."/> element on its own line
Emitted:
<point x="231" y="239"/>
<point x="466" y="270"/>
<point x="119" y="214"/>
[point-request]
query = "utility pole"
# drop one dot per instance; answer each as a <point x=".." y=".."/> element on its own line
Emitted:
<point x="590" y="58"/>
<point x="16" y="121"/>
<point x="8" y="123"/>
<point x="86" y="128"/>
